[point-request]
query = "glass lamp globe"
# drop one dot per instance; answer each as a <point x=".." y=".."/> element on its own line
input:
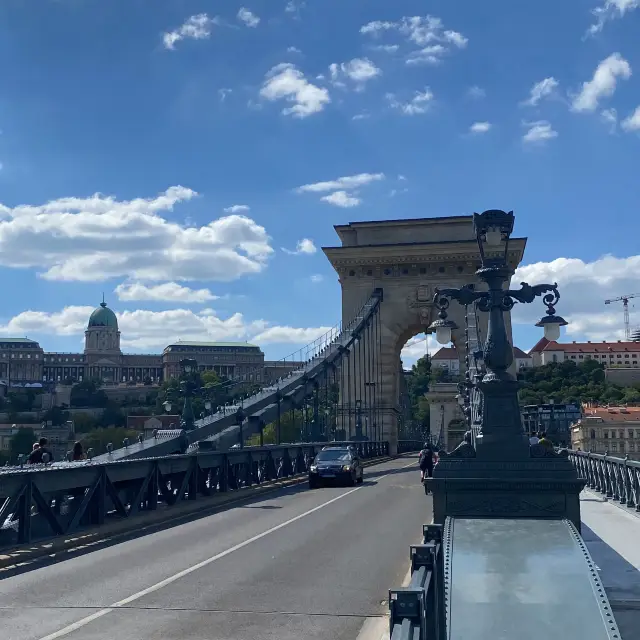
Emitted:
<point x="552" y="331"/>
<point x="493" y="237"/>
<point x="443" y="335"/>
<point x="167" y="406"/>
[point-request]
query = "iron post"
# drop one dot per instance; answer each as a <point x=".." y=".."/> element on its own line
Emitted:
<point x="502" y="475"/>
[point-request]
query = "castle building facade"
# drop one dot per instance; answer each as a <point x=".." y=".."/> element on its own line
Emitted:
<point x="24" y="362"/>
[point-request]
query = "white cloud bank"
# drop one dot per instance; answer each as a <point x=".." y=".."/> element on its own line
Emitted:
<point x="97" y="238"/>
<point x="426" y="32"/>
<point x="602" y="84"/>
<point x="584" y="286"/>
<point x="154" y="330"/>
<point x="610" y="10"/>
<point x="166" y="292"/>
<point x="196" y="27"/>
<point x="343" y="190"/>
<point x="286" y="82"/>
<point x="304" y="247"/>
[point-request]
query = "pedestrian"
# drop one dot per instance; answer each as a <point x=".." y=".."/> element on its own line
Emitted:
<point x="426" y="461"/>
<point x="545" y="441"/>
<point x="78" y="452"/>
<point x="534" y="439"/>
<point x="36" y="455"/>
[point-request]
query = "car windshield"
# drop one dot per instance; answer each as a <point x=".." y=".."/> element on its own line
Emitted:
<point x="336" y="454"/>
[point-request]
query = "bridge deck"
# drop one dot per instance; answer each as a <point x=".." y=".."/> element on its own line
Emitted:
<point x="525" y="579"/>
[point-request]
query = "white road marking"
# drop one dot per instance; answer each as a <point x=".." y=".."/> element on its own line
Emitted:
<point x="185" y="572"/>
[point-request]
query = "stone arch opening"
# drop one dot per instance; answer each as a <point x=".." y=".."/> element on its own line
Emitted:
<point x="408" y="260"/>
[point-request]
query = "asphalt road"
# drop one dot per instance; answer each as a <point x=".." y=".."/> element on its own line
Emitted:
<point x="293" y="564"/>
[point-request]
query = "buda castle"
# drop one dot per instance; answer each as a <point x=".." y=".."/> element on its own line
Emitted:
<point x="23" y="362"/>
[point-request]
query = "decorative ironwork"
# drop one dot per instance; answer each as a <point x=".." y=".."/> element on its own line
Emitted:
<point x="615" y="478"/>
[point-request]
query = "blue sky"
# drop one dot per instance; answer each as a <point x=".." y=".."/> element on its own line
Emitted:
<point x="437" y="108"/>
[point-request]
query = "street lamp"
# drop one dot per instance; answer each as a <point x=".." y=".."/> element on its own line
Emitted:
<point x="358" y="419"/>
<point x="187" y="389"/>
<point x="502" y="463"/>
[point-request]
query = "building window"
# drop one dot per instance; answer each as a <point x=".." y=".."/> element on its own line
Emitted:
<point x="593" y="434"/>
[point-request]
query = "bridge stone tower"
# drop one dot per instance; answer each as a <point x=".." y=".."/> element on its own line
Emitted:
<point x="407" y="259"/>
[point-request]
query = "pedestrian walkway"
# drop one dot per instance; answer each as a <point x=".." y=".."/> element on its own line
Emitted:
<point x="611" y="532"/>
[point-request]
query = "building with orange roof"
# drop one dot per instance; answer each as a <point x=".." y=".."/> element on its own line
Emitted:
<point x="617" y="354"/>
<point x="612" y="430"/>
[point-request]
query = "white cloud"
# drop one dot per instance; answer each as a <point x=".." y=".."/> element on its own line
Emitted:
<point x="603" y="83"/>
<point x="419" y="104"/>
<point x="286" y="82"/>
<point x="304" y="247"/>
<point x="237" y="208"/>
<point x="632" y="122"/>
<point x="290" y="335"/>
<point x="539" y="131"/>
<point x="316" y="277"/>
<point x="342" y="199"/>
<point x="610" y="10"/>
<point x="476" y="92"/>
<point x="584" y="286"/>
<point x="97" y="238"/>
<point x="223" y="93"/>
<point x="480" y="127"/>
<point x="249" y="18"/>
<point x="294" y="6"/>
<point x="344" y="189"/>
<point x="540" y="90"/>
<point x="427" y="32"/>
<point x="361" y="116"/>
<point x="346" y="182"/>
<point x="416" y="348"/>
<point x="358" y="70"/>
<point x="166" y="292"/>
<point x="293" y="50"/>
<point x="154" y="330"/>
<point x="428" y="55"/>
<point x="387" y="48"/>
<point x="610" y="117"/>
<point x="196" y="27"/>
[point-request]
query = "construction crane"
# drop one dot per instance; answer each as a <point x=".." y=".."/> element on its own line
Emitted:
<point x="625" y="306"/>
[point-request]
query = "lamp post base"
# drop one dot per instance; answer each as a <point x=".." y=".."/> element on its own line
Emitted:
<point x="543" y="485"/>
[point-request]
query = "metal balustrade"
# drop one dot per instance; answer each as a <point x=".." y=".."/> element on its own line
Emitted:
<point x="418" y="611"/>
<point x="616" y="478"/>
<point x="42" y="501"/>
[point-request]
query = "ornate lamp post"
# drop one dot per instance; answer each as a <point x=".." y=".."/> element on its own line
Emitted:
<point x="510" y="477"/>
<point x="187" y="389"/>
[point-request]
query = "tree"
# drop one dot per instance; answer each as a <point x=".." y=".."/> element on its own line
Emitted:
<point x="418" y="384"/>
<point x="565" y="382"/>
<point x="84" y="422"/>
<point x="22" y="442"/>
<point x="88" y="394"/>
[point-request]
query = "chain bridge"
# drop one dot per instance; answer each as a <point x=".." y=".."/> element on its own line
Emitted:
<point x="193" y="534"/>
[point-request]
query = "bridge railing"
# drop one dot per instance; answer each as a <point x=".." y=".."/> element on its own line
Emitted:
<point x="615" y="478"/>
<point x="418" y="611"/>
<point x="44" y="501"/>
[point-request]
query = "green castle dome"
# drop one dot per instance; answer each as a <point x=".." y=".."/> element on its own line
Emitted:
<point x="103" y="317"/>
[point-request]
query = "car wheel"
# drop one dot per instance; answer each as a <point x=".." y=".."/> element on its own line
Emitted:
<point x="313" y="484"/>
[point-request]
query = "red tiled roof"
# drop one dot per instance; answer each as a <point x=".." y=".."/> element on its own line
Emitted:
<point x="539" y="346"/>
<point x="594" y="347"/>
<point x="445" y="353"/>
<point x="614" y="414"/>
